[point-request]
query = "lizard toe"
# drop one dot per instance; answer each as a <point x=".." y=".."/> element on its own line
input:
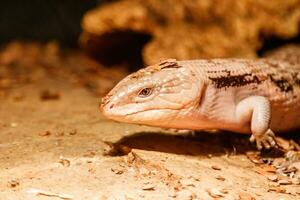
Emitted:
<point x="271" y="138"/>
<point x="266" y="140"/>
<point x="266" y="145"/>
<point x="271" y="141"/>
<point x="252" y="138"/>
<point x="259" y="145"/>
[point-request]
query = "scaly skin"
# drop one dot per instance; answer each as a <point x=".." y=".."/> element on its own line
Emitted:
<point x="240" y="95"/>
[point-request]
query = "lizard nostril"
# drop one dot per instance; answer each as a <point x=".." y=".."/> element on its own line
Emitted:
<point x="111" y="106"/>
<point x="105" y="100"/>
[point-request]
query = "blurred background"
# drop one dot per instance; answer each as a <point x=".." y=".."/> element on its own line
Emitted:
<point x="140" y="32"/>
<point x="43" y="20"/>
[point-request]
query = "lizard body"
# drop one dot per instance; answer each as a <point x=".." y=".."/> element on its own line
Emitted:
<point x="256" y="96"/>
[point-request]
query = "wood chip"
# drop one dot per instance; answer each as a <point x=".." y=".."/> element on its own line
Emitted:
<point x="48" y="194"/>
<point x="254" y="157"/>
<point x="269" y="168"/>
<point x="284" y="182"/>
<point x="148" y="186"/>
<point x="221" y="178"/>
<point x="277" y="189"/>
<point x="215" y="167"/>
<point x="215" y="193"/>
<point x="264" y="170"/>
<point x="282" y="143"/>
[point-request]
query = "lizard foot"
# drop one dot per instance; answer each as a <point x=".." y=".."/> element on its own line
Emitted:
<point x="266" y="140"/>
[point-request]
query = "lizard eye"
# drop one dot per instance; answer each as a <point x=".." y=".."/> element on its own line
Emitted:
<point x="145" y="92"/>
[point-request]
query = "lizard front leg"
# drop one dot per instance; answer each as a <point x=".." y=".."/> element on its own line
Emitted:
<point x="257" y="111"/>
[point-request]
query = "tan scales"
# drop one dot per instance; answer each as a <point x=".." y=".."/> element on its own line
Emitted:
<point x="258" y="96"/>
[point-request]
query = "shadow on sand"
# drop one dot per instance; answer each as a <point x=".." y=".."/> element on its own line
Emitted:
<point x="198" y="144"/>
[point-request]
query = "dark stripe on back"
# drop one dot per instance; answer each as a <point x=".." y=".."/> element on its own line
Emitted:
<point x="229" y="80"/>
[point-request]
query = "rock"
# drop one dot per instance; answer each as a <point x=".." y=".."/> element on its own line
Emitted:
<point x="185" y="30"/>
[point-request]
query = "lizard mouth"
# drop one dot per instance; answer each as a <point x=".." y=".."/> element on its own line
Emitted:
<point x="132" y="116"/>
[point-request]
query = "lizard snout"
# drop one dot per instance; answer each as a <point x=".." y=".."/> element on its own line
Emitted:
<point x="105" y="104"/>
<point x="104" y="101"/>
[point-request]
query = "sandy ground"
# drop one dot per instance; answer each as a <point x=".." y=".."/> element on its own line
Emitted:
<point x="59" y="146"/>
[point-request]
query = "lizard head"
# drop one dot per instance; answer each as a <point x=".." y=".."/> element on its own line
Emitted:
<point x="159" y="95"/>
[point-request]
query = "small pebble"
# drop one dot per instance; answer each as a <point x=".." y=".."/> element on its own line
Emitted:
<point x="148" y="186"/>
<point x="273" y="178"/>
<point x="221" y="178"/>
<point x="215" y="193"/>
<point x="73" y="132"/>
<point x="224" y="191"/>
<point x="13" y="125"/>
<point x="13" y="183"/>
<point x="45" y="133"/>
<point x="117" y="171"/>
<point x="64" y="162"/>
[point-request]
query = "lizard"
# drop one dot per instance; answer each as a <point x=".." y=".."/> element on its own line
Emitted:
<point x="250" y="96"/>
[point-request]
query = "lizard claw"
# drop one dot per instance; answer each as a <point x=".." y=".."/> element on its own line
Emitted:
<point x="266" y="140"/>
